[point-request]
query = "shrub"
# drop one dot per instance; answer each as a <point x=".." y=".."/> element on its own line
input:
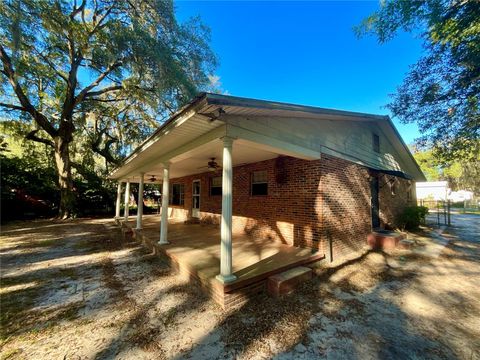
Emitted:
<point x="412" y="217"/>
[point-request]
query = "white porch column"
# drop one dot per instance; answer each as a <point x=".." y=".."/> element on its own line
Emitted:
<point x="140" y="202"/>
<point x="226" y="275"/>
<point x="119" y="200"/>
<point x="127" y="200"/>
<point x="165" y="194"/>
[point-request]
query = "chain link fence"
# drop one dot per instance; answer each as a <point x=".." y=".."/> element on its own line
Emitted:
<point x="439" y="212"/>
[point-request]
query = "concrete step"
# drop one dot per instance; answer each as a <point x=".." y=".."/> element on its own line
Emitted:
<point x="192" y="221"/>
<point x="384" y="239"/>
<point x="287" y="281"/>
<point x="405" y="244"/>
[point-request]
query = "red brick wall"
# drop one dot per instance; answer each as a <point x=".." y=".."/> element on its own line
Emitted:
<point x="308" y="203"/>
<point x="393" y="203"/>
<point x="346" y="214"/>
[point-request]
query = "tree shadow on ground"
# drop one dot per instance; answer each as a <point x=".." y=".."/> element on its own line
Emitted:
<point x="331" y="317"/>
<point x="47" y="259"/>
<point x="350" y="310"/>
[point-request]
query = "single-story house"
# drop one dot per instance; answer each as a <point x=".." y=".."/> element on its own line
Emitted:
<point x="306" y="177"/>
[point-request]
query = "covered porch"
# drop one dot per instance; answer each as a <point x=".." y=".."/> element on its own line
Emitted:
<point x="194" y="249"/>
<point x="210" y="136"/>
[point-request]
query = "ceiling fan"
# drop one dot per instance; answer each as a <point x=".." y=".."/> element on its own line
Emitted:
<point x="212" y="165"/>
<point x="152" y="178"/>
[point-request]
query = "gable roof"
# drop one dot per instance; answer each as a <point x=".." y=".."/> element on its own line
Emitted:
<point x="208" y="104"/>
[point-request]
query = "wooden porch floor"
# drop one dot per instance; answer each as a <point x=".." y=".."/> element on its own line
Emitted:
<point x="197" y="247"/>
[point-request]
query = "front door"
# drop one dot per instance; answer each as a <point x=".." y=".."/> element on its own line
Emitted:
<point x="374" y="202"/>
<point x="196" y="199"/>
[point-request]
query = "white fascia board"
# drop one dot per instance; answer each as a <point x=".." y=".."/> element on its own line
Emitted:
<point x="170" y="156"/>
<point x="154" y="138"/>
<point x="271" y="144"/>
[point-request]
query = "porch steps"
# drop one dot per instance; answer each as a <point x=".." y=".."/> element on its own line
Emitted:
<point x="264" y="276"/>
<point x="386" y="240"/>
<point x="192" y="221"/>
<point x="287" y="281"/>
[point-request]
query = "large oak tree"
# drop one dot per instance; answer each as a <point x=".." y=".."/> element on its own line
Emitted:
<point x="120" y="63"/>
<point x="441" y="92"/>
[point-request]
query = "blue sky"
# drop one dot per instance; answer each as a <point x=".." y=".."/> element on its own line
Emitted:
<point x="305" y="53"/>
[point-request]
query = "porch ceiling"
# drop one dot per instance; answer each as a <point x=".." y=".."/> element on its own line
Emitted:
<point x="195" y="161"/>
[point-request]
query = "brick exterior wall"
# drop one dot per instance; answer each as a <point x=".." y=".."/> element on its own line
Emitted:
<point x="393" y="204"/>
<point x="309" y="203"/>
<point x="346" y="215"/>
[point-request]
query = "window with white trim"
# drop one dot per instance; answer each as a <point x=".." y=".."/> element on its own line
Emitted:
<point x="216" y="185"/>
<point x="177" y="192"/>
<point x="259" y="183"/>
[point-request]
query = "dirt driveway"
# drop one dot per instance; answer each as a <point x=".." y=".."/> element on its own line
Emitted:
<point x="74" y="290"/>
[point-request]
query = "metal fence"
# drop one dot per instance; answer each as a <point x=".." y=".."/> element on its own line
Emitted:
<point x="439" y="212"/>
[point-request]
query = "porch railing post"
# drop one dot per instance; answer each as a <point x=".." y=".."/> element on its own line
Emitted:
<point x="127" y="200"/>
<point x="226" y="274"/>
<point x="140" y="203"/>
<point x="165" y="194"/>
<point x="118" y="204"/>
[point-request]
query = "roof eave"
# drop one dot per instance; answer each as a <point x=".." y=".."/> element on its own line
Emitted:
<point x="195" y="102"/>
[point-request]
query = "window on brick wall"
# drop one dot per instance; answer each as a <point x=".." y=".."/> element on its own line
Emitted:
<point x="216" y="185"/>
<point x="177" y="192"/>
<point x="259" y="183"/>
<point x="376" y="143"/>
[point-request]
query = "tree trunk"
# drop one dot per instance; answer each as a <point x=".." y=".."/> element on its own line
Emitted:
<point x="62" y="161"/>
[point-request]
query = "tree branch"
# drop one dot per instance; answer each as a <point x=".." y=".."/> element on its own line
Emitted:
<point x="105" y="151"/>
<point x="31" y="136"/>
<point x="13" y="107"/>
<point x="104" y="90"/>
<point x="52" y="66"/>
<point x="106" y="100"/>
<point x="22" y="98"/>
<point x="78" y="10"/>
<point x="97" y="82"/>
<point x="99" y="23"/>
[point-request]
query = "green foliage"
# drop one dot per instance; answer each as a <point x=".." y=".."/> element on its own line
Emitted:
<point x="130" y="63"/>
<point x="441" y="91"/>
<point x="412" y="217"/>
<point x="427" y="162"/>
<point x="29" y="179"/>
<point x="93" y="78"/>
<point x="27" y="188"/>
<point x="462" y="174"/>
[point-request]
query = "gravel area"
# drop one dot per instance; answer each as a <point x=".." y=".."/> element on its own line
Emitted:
<point x="76" y="290"/>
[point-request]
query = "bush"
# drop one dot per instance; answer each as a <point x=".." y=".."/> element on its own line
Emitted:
<point x="28" y="188"/>
<point x="412" y="217"/>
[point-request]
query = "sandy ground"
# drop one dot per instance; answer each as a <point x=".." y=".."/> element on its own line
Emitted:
<point x="75" y="290"/>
